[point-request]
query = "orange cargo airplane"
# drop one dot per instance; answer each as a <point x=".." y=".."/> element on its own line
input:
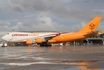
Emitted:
<point x="47" y="39"/>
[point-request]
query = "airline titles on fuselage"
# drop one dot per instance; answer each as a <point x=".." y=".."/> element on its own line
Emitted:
<point x="32" y="34"/>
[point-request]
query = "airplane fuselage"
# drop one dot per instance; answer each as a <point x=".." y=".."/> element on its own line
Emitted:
<point x="23" y="36"/>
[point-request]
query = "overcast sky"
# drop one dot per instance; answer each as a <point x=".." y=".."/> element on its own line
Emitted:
<point x="53" y="15"/>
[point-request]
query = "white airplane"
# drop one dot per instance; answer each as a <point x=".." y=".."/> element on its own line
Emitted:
<point x="30" y="38"/>
<point x="47" y="38"/>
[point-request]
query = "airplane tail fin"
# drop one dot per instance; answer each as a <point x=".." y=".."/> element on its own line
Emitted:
<point x="92" y="25"/>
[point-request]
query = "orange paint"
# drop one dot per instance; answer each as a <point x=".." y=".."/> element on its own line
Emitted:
<point x="39" y="40"/>
<point x="82" y="34"/>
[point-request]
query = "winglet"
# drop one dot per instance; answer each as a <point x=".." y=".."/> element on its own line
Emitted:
<point x="92" y="25"/>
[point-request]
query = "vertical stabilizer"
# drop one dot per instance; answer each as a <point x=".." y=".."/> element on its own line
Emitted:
<point x="92" y="25"/>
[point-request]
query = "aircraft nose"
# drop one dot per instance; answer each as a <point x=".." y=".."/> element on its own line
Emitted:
<point x="4" y="38"/>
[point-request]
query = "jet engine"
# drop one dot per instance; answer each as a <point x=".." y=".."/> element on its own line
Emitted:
<point x="39" y="41"/>
<point x="29" y="42"/>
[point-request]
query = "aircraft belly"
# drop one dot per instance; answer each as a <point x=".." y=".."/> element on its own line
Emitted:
<point x="69" y="38"/>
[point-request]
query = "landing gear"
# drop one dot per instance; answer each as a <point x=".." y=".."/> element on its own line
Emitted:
<point x="45" y="45"/>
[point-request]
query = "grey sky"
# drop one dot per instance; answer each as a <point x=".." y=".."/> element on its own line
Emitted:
<point x="54" y="15"/>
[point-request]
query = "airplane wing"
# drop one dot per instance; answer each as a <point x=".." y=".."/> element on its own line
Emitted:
<point x="50" y="36"/>
<point x="44" y="37"/>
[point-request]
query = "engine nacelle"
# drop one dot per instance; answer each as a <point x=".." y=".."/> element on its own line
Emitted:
<point x="29" y="42"/>
<point x="39" y="41"/>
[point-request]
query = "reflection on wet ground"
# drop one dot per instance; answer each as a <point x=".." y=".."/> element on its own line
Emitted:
<point x="52" y="58"/>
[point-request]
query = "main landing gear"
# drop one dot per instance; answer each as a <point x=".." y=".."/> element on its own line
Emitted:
<point x="45" y="45"/>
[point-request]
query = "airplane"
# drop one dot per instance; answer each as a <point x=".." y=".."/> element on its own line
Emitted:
<point x="46" y="39"/>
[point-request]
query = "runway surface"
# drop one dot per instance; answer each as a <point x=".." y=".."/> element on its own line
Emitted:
<point x="52" y="58"/>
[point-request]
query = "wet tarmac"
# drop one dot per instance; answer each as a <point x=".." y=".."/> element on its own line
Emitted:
<point x="52" y="58"/>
